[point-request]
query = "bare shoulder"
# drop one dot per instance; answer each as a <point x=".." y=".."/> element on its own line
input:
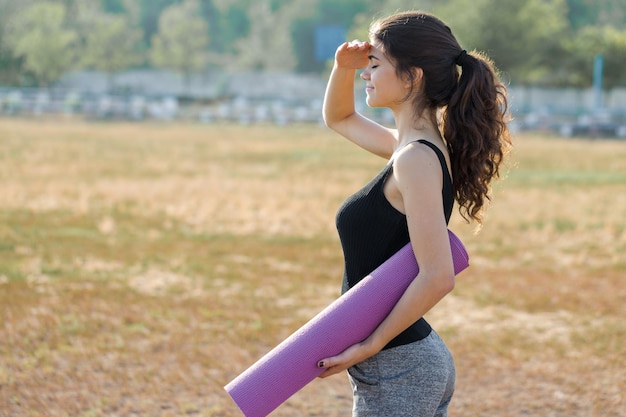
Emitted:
<point x="418" y="180"/>
<point x="417" y="162"/>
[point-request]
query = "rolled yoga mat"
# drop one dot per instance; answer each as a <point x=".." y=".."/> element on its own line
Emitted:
<point x="293" y="363"/>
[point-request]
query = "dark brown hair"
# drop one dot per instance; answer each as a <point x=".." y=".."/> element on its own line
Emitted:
<point x="473" y="102"/>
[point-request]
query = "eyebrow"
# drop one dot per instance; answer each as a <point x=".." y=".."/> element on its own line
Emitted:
<point x="373" y="57"/>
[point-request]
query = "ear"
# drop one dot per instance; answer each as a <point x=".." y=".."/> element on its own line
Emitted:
<point x="418" y="77"/>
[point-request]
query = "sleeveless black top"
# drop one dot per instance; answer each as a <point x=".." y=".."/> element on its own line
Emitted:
<point x="371" y="230"/>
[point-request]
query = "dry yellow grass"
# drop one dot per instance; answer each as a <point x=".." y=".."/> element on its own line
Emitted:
<point x="143" y="266"/>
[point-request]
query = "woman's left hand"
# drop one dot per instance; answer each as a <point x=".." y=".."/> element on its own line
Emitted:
<point x="349" y="357"/>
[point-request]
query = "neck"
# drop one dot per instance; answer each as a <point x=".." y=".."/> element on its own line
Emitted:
<point x="411" y="127"/>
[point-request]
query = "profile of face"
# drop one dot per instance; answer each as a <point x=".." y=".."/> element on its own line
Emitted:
<point x="383" y="86"/>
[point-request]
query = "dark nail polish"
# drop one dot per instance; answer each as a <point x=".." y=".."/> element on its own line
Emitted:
<point x="320" y="364"/>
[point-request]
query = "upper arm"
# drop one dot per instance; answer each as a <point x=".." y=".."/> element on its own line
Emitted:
<point x="368" y="134"/>
<point x="419" y="177"/>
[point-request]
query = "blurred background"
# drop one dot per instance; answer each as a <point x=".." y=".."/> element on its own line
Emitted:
<point x="268" y="60"/>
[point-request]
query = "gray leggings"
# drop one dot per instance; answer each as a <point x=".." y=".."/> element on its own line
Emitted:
<point x="414" y="380"/>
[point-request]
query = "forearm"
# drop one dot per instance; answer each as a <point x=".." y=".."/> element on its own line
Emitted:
<point x="422" y="295"/>
<point x="339" y="97"/>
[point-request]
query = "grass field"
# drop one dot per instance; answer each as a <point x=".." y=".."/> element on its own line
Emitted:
<point x="143" y="266"/>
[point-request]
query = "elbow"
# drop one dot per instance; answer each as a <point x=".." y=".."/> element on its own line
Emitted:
<point x="445" y="283"/>
<point x="330" y="121"/>
<point x="336" y="121"/>
<point x="327" y="115"/>
<point x="327" y="122"/>
<point x="332" y="125"/>
<point x="448" y="283"/>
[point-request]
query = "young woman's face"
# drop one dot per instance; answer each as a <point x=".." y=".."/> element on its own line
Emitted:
<point x="382" y="85"/>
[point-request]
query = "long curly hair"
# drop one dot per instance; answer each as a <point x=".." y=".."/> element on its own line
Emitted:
<point x="472" y="103"/>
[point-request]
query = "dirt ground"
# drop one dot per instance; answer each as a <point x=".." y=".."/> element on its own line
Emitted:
<point x="144" y="266"/>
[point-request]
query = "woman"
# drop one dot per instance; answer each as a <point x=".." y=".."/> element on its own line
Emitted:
<point x="442" y="120"/>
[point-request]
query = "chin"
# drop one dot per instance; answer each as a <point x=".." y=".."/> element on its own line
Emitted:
<point x="371" y="103"/>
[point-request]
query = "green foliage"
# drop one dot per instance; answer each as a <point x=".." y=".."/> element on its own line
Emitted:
<point x="39" y="35"/>
<point x="181" y="42"/>
<point x="538" y="42"/>
<point x="150" y="11"/>
<point x="111" y="44"/>
<point x="113" y="6"/>
<point x="269" y="45"/>
<point x="519" y="45"/>
<point x="583" y="13"/>
<point x="607" y="41"/>
<point x="228" y="23"/>
<point x="10" y="66"/>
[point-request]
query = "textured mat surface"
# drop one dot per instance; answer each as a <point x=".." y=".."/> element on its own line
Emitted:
<point x="293" y="363"/>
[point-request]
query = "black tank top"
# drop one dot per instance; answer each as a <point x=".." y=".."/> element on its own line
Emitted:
<point x="371" y="230"/>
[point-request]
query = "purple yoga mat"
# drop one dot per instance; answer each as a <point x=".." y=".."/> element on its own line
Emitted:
<point x="293" y="363"/>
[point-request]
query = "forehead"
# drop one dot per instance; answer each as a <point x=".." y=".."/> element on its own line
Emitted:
<point x="376" y="48"/>
<point x="376" y="51"/>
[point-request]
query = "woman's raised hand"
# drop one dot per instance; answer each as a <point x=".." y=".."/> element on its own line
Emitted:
<point x="352" y="55"/>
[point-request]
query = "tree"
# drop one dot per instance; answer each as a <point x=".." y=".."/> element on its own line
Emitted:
<point x="227" y="22"/>
<point x="523" y="37"/>
<point x="583" y="13"/>
<point x="10" y="65"/>
<point x="149" y="14"/>
<point x="597" y="40"/>
<point x="38" y="35"/>
<point x="133" y="11"/>
<point x="268" y="45"/>
<point x="111" y="45"/>
<point x="113" y="6"/>
<point x="182" y="39"/>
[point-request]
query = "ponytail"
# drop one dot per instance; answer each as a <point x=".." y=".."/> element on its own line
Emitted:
<point x="476" y="133"/>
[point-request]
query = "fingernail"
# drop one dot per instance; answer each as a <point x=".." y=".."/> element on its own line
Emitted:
<point x="320" y="364"/>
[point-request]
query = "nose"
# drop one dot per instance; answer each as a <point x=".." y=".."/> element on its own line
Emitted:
<point x="365" y="75"/>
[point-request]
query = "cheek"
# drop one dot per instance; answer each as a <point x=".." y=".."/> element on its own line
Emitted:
<point x="388" y="77"/>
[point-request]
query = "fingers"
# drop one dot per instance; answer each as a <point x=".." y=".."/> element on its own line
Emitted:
<point x="354" y="46"/>
<point x="324" y="363"/>
<point x="358" y="45"/>
<point x="327" y="364"/>
<point x="332" y="366"/>
<point x="355" y="43"/>
<point x="352" y="55"/>
<point x="349" y="357"/>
